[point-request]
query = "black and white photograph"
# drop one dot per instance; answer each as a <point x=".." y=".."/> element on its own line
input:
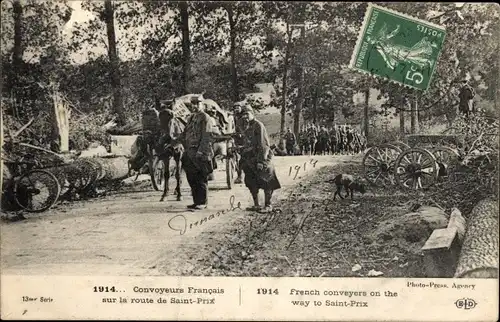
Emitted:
<point x="250" y="139"/>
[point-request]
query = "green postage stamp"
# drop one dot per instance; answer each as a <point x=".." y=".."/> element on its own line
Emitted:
<point x="398" y="47"/>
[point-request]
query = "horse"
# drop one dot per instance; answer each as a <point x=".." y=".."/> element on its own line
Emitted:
<point x="171" y="127"/>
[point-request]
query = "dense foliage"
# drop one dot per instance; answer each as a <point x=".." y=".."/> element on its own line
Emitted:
<point x="166" y="49"/>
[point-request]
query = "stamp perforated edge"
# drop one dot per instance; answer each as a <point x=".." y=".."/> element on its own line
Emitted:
<point x="423" y="22"/>
<point x="360" y="36"/>
<point x="354" y="55"/>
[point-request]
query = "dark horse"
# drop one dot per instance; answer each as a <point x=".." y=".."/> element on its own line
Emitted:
<point x="169" y="147"/>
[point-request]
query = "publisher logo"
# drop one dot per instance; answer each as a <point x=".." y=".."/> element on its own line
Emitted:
<point x="465" y="304"/>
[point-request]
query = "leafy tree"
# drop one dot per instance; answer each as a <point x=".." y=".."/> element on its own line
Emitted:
<point x="114" y="63"/>
<point x="31" y="52"/>
<point x="470" y="47"/>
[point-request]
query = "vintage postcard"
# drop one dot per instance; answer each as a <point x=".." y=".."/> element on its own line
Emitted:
<point x="260" y="160"/>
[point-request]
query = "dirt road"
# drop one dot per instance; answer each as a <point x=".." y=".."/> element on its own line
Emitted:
<point x="133" y="233"/>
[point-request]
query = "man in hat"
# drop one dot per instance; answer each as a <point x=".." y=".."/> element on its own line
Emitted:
<point x="240" y="126"/>
<point x="303" y="141"/>
<point x="256" y="162"/>
<point x="212" y="112"/>
<point x="466" y="96"/>
<point x="322" y="140"/>
<point x="197" y="159"/>
<point x="290" y="141"/>
<point x="312" y="135"/>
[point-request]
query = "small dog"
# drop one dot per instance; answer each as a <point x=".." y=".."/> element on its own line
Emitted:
<point x="349" y="183"/>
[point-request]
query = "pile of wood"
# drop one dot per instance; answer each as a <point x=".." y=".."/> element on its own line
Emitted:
<point x="465" y="249"/>
<point x="85" y="173"/>
<point x="75" y="175"/>
<point x="479" y="255"/>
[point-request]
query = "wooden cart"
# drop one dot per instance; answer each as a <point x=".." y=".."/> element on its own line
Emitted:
<point x="415" y="164"/>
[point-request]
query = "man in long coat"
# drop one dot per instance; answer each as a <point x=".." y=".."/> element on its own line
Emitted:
<point x="240" y="126"/>
<point x="312" y="135"/>
<point x="256" y="162"/>
<point x="197" y="159"/>
<point x="290" y="141"/>
<point x="466" y="96"/>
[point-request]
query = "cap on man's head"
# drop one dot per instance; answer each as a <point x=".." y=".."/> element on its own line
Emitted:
<point x="195" y="99"/>
<point x="247" y="109"/>
<point x="166" y="103"/>
<point x="209" y="108"/>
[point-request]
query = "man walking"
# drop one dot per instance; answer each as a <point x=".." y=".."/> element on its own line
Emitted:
<point x="290" y="141"/>
<point x="256" y="162"/>
<point x="240" y="126"/>
<point x="466" y="96"/>
<point x="322" y="140"/>
<point x="197" y="159"/>
<point x="312" y="135"/>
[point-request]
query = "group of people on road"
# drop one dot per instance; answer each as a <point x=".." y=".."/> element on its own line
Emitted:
<point x="253" y="150"/>
<point x="320" y="140"/>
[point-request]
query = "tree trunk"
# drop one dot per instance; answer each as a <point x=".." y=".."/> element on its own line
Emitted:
<point x="300" y="94"/>
<point x="402" y="117"/>
<point x="479" y="254"/>
<point x="60" y="127"/>
<point x="186" y="47"/>
<point x="285" y="76"/>
<point x="419" y="113"/>
<point x="17" y="51"/>
<point x="17" y="54"/>
<point x="114" y="63"/>
<point x="414" y="116"/>
<point x="2" y="154"/>
<point x="333" y="115"/>
<point x="496" y="87"/>
<point x="232" y="52"/>
<point x="365" y="112"/>
<point x="315" y="105"/>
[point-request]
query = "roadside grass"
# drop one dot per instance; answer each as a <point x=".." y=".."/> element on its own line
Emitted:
<point x="313" y="235"/>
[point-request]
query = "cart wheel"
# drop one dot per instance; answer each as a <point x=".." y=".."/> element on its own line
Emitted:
<point x="89" y="173"/>
<point x="403" y="146"/>
<point x="37" y="190"/>
<point x="156" y="170"/>
<point x="416" y="169"/>
<point x="446" y="158"/>
<point x="378" y="164"/>
<point x="229" y="171"/>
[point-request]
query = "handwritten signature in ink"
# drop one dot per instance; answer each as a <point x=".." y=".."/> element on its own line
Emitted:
<point x="179" y="222"/>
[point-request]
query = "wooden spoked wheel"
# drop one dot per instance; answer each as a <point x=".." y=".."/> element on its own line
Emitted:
<point x="156" y="171"/>
<point x="229" y="171"/>
<point x="416" y="169"/>
<point x="403" y="146"/>
<point x="379" y="162"/>
<point x="446" y="158"/>
<point x="37" y="190"/>
<point x="231" y="163"/>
